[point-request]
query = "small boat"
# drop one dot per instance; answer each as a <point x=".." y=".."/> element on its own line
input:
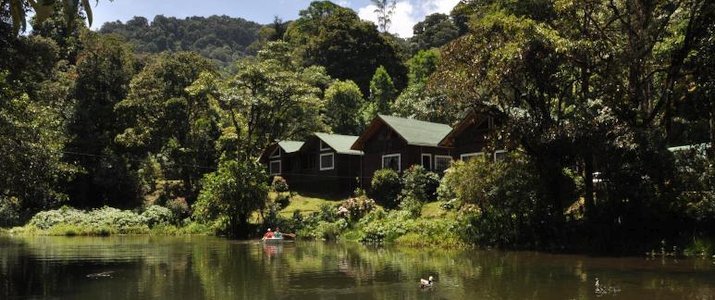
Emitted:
<point x="272" y="240"/>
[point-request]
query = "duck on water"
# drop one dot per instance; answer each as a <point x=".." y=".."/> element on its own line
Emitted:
<point x="426" y="283"/>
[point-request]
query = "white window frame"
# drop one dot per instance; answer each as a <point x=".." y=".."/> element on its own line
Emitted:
<point x="471" y="154"/>
<point x="498" y="151"/>
<point x="431" y="163"/>
<point x="399" y="160"/>
<point x="324" y="146"/>
<point x="442" y="156"/>
<point x="276" y="153"/>
<point x="280" y="167"/>
<point x="320" y="162"/>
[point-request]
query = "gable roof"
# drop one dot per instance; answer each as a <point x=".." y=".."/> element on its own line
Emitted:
<point x="290" y="146"/>
<point x="414" y="132"/>
<point x="287" y="146"/>
<point x="340" y="143"/>
<point x="471" y="118"/>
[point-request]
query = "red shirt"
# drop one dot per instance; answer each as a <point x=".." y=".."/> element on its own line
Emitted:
<point x="268" y="235"/>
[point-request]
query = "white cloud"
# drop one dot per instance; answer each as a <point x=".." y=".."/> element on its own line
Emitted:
<point x="408" y="14"/>
<point x="438" y="6"/>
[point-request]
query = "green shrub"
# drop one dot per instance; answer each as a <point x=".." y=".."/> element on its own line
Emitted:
<point x="328" y="212"/>
<point x="179" y="208"/>
<point x="356" y="207"/>
<point x="157" y="215"/>
<point x="385" y="187"/>
<point x="504" y="204"/>
<point x="383" y="228"/>
<point x="324" y="230"/>
<point x="411" y="205"/>
<point x="95" y="222"/>
<point x="279" y="184"/>
<point x="420" y="184"/>
<point x="283" y="200"/>
<point x="9" y="211"/>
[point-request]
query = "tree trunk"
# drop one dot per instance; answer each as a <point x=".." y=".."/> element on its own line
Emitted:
<point x="711" y="151"/>
<point x="588" y="185"/>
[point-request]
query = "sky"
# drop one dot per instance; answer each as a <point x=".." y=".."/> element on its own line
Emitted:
<point x="407" y="12"/>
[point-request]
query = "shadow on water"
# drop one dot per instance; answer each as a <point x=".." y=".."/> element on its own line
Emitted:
<point x="145" y="267"/>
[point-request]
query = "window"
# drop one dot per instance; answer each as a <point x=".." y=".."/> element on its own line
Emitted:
<point x="276" y="153"/>
<point x="499" y="155"/>
<point x="324" y="146"/>
<point x="327" y="161"/>
<point x="275" y="167"/>
<point x="427" y="161"/>
<point x="392" y="161"/>
<point x="442" y="162"/>
<point x="468" y="156"/>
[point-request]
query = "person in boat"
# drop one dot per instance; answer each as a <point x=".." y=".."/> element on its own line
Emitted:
<point x="268" y="235"/>
<point x="278" y="234"/>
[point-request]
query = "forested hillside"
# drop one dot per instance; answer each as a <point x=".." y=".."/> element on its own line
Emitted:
<point x="220" y="38"/>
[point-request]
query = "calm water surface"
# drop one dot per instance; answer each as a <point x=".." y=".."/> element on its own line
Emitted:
<point x="143" y="267"/>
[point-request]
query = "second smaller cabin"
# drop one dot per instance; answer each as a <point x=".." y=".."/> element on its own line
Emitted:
<point x="328" y="165"/>
<point x="282" y="159"/>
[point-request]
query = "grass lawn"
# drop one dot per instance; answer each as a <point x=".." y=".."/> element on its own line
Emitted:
<point x="305" y="204"/>
<point x="432" y="210"/>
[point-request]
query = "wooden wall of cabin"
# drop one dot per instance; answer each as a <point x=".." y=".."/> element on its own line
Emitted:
<point x="310" y="179"/>
<point x="471" y="140"/>
<point x="385" y="142"/>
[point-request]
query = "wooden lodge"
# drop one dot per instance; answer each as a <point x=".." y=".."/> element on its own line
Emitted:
<point x="323" y="163"/>
<point x="327" y="164"/>
<point x="282" y="159"/>
<point x="337" y="164"/>
<point x="398" y="143"/>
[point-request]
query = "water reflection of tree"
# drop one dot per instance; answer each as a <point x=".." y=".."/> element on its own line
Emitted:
<point x="207" y="268"/>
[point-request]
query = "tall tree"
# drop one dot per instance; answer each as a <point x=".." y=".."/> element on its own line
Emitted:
<point x="343" y="101"/>
<point x="591" y="83"/>
<point x="348" y="47"/>
<point x="33" y="89"/>
<point x="382" y="90"/>
<point x="104" y="69"/>
<point x="161" y="118"/>
<point x="436" y="30"/>
<point x="270" y="98"/>
<point x="384" y="10"/>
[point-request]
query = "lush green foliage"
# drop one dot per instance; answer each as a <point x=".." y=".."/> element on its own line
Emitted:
<point x="157" y="215"/>
<point x="356" y="207"/>
<point x="343" y="104"/>
<point x="435" y="31"/>
<point x="510" y="208"/>
<point x="420" y="184"/>
<point x="230" y="194"/>
<point x="348" y="47"/>
<point x="279" y="184"/>
<point x="222" y="39"/>
<point x="385" y="187"/>
<point x="101" y="221"/>
<point x="382" y="91"/>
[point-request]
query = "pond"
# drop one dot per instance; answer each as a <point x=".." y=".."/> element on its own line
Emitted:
<point x="146" y="267"/>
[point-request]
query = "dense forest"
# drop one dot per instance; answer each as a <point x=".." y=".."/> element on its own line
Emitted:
<point x="219" y="38"/>
<point x="174" y="112"/>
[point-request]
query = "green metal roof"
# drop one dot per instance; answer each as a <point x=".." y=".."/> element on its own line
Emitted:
<point x="340" y="143"/>
<point x="416" y="132"/>
<point x="290" y="146"/>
